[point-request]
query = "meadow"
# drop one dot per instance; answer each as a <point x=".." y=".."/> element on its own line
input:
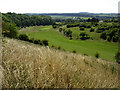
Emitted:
<point x="56" y="39"/>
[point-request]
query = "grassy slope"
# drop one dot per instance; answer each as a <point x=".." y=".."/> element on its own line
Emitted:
<point x="105" y="49"/>
<point x="29" y="65"/>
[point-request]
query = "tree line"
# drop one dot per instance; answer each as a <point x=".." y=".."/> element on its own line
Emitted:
<point x="11" y="22"/>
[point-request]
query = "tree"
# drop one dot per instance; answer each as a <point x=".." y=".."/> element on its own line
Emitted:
<point x="91" y="30"/>
<point x="103" y="35"/>
<point x="9" y="30"/>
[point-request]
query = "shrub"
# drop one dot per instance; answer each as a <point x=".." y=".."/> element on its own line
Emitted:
<point x="91" y="30"/>
<point x="37" y="41"/>
<point x="97" y="55"/>
<point x="103" y="35"/>
<point x="70" y="38"/>
<point x="60" y="29"/>
<point x="115" y="38"/>
<point x="99" y="31"/>
<point x="54" y="26"/>
<point x="85" y="54"/>
<point x="109" y="38"/>
<point x="23" y="37"/>
<point x="59" y="47"/>
<point x="84" y="36"/>
<point x="68" y="33"/>
<point x="52" y="46"/>
<point x="117" y="57"/>
<point x="74" y="51"/>
<point x="82" y="29"/>
<point x="45" y="42"/>
<point x="88" y="26"/>
<point x="31" y="40"/>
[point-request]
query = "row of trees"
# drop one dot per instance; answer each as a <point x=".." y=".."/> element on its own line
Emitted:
<point x="24" y="37"/>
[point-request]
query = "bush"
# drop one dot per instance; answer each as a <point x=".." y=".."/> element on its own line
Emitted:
<point x="82" y="29"/>
<point x="59" y="47"/>
<point x="60" y="29"/>
<point x="103" y="35"/>
<point x="91" y="30"/>
<point x="84" y="36"/>
<point x="97" y="55"/>
<point x="115" y="38"/>
<point x="117" y="57"/>
<point x="31" y="40"/>
<point x="109" y="38"/>
<point x="68" y="33"/>
<point x="85" y="54"/>
<point x="74" y="51"/>
<point x="88" y="26"/>
<point x="99" y="31"/>
<point x="54" y="26"/>
<point x="37" y="41"/>
<point x="52" y="46"/>
<point x="45" y="42"/>
<point x="23" y="37"/>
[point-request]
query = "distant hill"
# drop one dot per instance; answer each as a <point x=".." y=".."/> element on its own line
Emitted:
<point x="101" y="16"/>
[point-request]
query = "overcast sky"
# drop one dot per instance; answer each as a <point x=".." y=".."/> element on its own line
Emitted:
<point x="59" y="6"/>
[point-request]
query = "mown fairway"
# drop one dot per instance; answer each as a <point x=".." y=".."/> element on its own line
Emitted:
<point x="106" y="50"/>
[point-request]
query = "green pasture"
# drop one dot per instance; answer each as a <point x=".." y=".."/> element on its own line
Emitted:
<point x="105" y="49"/>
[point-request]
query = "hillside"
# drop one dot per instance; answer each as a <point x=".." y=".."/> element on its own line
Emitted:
<point x="29" y="65"/>
<point x="57" y="39"/>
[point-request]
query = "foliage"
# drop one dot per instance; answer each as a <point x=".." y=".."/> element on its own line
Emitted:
<point x="72" y="25"/>
<point x="68" y="33"/>
<point x="117" y="57"/>
<point x="93" y="20"/>
<point x="23" y="37"/>
<point x="91" y="30"/>
<point x="84" y="36"/>
<point x="110" y="35"/>
<point x="82" y="28"/>
<point x="97" y="55"/>
<point x="74" y="51"/>
<point x="60" y="29"/>
<point x="9" y="30"/>
<point x="37" y="42"/>
<point x="23" y="20"/>
<point x="103" y="35"/>
<point x="45" y="42"/>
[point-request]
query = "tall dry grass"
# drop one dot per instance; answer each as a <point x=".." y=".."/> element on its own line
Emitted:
<point x="32" y="66"/>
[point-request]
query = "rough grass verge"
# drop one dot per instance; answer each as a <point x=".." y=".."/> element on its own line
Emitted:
<point x="26" y="65"/>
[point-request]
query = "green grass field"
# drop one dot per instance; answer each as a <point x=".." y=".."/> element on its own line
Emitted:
<point x="105" y="49"/>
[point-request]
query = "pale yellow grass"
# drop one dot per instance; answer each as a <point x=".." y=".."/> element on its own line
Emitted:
<point x="28" y="65"/>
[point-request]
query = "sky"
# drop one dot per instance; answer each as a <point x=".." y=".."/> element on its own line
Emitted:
<point x="59" y="6"/>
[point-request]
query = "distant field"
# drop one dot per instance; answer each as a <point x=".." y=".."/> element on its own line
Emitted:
<point x="62" y="17"/>
<point x="106" y="50"/>
<point x="68" y="17"/>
